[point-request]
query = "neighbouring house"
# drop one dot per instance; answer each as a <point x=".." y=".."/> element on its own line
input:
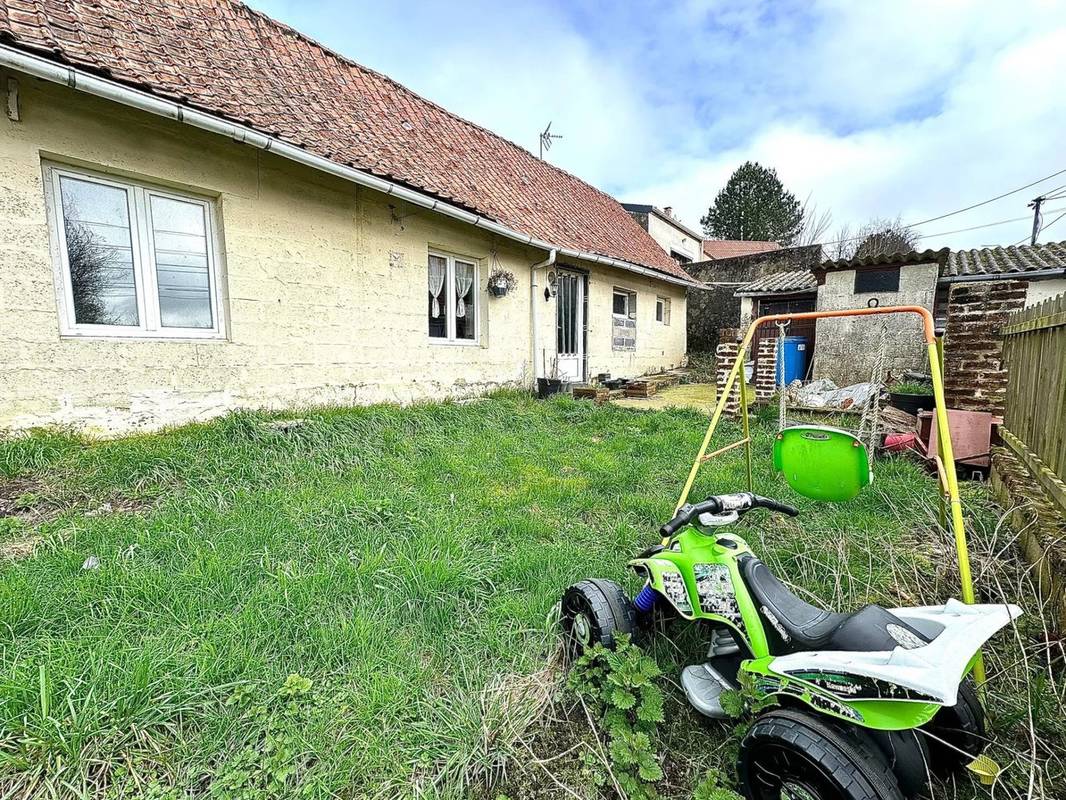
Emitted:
<point x="969" y="292"/>
<point x="204" y="210"/>
<point x="716" y="304"/>
<point x="715" y="249"/>
<point x="682" y="243"/>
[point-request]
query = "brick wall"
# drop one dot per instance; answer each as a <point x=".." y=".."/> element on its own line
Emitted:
<point x="726" y="354"/>
<point x="765" y="370"/>
<point x="763" y="380"/>
<point x="974" y="378"/>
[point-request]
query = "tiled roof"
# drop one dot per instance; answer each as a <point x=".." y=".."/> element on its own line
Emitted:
<point x="891" y="260"/>
<point x="1000" y="260"/>
<point x="223" y="58"/>
<point x="731" y="248"/>
<point x="799" y="280"/>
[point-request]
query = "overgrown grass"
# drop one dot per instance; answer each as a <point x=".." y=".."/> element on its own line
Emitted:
<point x="404" y="562"/>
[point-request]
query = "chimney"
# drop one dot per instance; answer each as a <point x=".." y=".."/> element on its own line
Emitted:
<point x="669" y="211"/>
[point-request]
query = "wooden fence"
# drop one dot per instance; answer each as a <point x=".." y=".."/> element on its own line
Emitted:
<point x="1034" y="355"/>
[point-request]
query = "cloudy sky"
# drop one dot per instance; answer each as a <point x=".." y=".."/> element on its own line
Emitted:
<point x="869" y="109"/>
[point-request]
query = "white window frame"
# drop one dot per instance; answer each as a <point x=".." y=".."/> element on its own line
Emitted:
<point x="630" y="296"/>
<point x="449" y="306"/>
<point x="662" y="310"/>
<point x="138" y="203"/>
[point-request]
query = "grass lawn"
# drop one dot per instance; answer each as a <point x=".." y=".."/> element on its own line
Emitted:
<point x="358" y="605"/>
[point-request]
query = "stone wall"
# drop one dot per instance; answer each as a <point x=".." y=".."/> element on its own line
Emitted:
<point x="714" y="307"/>
<point x="974" y="377"/>
<point x="846" y="347"/>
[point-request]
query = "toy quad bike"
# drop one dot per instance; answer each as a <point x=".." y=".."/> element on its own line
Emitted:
<point x="857" y="693"/>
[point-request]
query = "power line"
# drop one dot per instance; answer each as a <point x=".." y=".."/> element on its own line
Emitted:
<point x="990" y="200"/>
<point x="978" y="227"/>
<point x="948" y="233"/>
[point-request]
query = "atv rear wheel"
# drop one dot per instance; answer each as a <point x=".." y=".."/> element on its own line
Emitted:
<point x="961" y="725"/>
<point x="790" y="755"/>
<point x="595" y="612"/>
<point x="907" y="754"/>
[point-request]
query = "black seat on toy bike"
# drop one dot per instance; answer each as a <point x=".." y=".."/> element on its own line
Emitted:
<point x="795" y="625"/>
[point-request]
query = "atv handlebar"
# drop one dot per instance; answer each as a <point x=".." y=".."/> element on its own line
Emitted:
<point x="741" y="502"/>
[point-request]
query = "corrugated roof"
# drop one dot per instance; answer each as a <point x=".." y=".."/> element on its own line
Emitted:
<point x="228" y="60"/>
<point x="799" y="280"/>
<point x="893" y="259"/>
<point x="1005" y="260"/>
<point x="731" y="248"/>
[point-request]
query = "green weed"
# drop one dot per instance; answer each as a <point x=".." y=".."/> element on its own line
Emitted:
<point x="405" y="561"/>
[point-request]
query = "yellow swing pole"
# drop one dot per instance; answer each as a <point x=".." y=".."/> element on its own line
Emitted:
<point x="723" y="398"/>
<point x="943" y="429"/>
<point x="955" y="501"/>
<point x="744" y="420"/>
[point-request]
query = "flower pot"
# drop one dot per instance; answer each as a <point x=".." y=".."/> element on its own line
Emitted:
<point x="497" y="291"/>
<point x="912" y="403"/>
<point x="546" y="387"/>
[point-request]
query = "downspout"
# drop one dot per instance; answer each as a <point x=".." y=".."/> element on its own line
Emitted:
<point x="534" y="315"/>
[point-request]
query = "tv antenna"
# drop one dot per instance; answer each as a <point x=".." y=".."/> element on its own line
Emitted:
<point x="546" y="137"/>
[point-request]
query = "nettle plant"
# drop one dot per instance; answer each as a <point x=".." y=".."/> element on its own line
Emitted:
<point x="273" y="762"/>
<point x="620" y="686"/>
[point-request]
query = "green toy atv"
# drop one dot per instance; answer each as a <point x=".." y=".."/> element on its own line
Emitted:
<point x="869" y="702"/>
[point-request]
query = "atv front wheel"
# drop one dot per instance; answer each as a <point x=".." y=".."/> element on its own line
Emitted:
<point x="594" y="612"/>
<point x="790" y="755"/>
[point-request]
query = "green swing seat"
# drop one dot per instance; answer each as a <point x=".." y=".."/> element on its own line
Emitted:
<point x="822" y="463"/>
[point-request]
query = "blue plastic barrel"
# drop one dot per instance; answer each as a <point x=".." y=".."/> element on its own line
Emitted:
<point x="795" y="359"/>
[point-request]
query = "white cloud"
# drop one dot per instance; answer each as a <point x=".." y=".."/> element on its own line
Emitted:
<point x="874" y="109"/>
<point x="999" y="124"/>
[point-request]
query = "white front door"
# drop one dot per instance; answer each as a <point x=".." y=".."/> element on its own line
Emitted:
<point x="570" y="326"/>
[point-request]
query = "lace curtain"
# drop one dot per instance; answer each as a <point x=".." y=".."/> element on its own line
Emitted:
<point x="464" y="277"/>
<point x="438" y="269"/>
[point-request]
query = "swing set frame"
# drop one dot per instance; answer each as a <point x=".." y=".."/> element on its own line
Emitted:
<point x="945" y="461"/>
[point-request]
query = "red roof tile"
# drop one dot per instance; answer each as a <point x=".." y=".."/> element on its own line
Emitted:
<point x="226" y="59"/>
<point x="731" y="248"/>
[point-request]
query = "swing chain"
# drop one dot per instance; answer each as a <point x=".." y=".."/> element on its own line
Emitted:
<point x="870" y="421"/>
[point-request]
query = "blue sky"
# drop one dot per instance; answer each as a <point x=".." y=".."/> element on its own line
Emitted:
<point x="867" y="108"/>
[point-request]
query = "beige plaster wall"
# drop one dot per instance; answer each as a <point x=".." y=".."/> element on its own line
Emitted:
<point x="323" y="287"/>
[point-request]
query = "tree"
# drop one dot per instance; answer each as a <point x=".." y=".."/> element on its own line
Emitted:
<point x="754" y="206"/>
<point x="878" y="237"/>
<point x="90" y="264"/>
<point x="815" y="225"/>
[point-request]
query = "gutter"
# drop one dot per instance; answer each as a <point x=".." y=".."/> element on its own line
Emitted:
<point x="82" y="81"/>
<point x="783" y="293"/>
<point x="1005" y="276"/>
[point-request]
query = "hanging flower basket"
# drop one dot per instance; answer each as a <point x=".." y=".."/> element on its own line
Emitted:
<point x="501" y="282"/>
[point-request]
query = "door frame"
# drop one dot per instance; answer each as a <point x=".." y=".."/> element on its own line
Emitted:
<point x="583" y="275"/>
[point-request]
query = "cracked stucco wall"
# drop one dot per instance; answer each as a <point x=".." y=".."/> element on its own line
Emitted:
<point x="324" y="287"/>
<point x="846" y="348"/>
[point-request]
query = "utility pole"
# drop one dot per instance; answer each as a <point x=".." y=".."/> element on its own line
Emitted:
<point x="1038" y="220"/>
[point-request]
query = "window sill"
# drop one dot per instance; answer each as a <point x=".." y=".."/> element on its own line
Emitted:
<point x="454" y="342"/>
<point x="138" y="337"/>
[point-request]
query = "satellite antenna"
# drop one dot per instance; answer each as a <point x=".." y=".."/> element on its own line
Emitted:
<point x="546" y="137"/>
